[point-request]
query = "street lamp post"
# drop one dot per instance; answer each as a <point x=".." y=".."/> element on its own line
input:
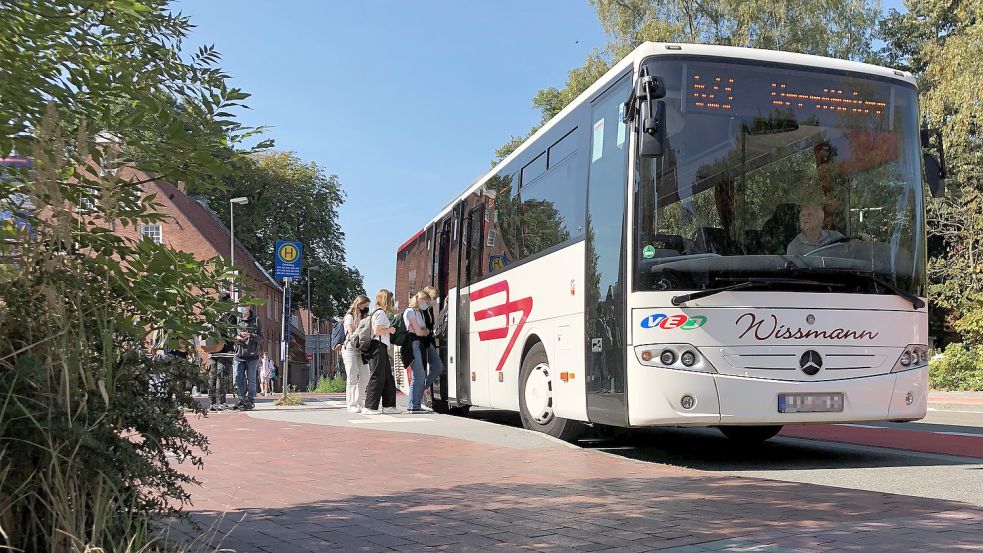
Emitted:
<point x="242" y="200"/>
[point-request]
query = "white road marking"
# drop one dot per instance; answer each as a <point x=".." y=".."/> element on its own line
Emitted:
<point x="861" y="426"/>
<point x="385" y="419"/>
<point x="955" y="411"/>
<point x="884" y="428"/>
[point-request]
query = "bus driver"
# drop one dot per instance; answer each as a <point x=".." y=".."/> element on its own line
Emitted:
<point x="813" y="234"/>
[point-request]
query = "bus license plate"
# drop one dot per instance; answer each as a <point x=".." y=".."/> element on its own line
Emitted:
<point x="810" y="403"/>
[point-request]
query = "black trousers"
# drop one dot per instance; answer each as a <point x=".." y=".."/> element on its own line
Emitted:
<point x="218" y="374"/>
<point x="382" y="384"/>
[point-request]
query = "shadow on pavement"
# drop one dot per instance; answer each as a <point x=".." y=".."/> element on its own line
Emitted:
<point x="629" y="513"/>
<point x="707" y="449"/>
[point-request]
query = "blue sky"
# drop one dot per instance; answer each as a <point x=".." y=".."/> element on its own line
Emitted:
<point x="405" y="101"/>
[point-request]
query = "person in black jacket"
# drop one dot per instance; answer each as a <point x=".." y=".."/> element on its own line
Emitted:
<point x="246" y="357"/>
<point x="220" y="352"/>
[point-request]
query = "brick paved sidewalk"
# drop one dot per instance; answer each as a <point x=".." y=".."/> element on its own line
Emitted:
<point x="283" y="487"/>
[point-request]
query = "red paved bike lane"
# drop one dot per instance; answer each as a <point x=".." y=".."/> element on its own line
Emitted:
<point x="909" y="440"/>
<point x="280" y="487"/>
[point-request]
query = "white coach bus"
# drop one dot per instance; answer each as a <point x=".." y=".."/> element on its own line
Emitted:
<point x="707" y="236"/>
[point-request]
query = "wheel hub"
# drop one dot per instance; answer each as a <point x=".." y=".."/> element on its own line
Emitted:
<point x="539" y="394"/>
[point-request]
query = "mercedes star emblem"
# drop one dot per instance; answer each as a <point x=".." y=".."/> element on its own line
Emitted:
<point x="811" y="362"/>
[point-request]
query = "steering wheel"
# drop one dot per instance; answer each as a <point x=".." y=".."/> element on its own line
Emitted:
<point x="835" y="241"/>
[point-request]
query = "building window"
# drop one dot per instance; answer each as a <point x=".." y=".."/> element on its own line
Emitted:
<point x="153" y="232"/>
<point x="87" y="204"/>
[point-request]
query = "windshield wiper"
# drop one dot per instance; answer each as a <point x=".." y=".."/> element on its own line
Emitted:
<point x="916" y="302"/>
<point x="749" y="283"/>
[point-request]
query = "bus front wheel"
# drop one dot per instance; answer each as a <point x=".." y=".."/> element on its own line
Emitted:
<point x="748" y="435"/>
<point x="536" y="398"/>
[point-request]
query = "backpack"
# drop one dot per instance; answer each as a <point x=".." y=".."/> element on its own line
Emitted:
<point x="337" y="335"/>
<point x="440" y="327"/>
<point x="399" y="337"/>
<point x="362" y="335"/>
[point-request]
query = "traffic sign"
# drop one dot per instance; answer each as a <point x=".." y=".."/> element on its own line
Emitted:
<point x="287" y="262"/>
<point x="317" y="343"/>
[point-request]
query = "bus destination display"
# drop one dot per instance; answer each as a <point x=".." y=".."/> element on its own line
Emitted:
<point x="759" y="93"/>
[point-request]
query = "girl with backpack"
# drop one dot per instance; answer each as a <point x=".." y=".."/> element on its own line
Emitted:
<point x="382" y="384"/>
<point x="437" y="338"/>
<point x="416" y="350"/>
<point x="356" y="369"/>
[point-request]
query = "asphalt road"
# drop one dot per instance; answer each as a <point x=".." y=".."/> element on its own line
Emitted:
<point x="883" y="457"/>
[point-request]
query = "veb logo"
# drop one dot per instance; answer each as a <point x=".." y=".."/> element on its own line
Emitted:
<point x="670" y="322"/>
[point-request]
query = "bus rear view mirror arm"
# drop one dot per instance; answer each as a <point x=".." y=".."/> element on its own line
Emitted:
<point x="645" y="108"/>
<point x="935" y="167"/>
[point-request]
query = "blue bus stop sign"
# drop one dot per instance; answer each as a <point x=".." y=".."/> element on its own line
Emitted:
<point x="287" y="263"/>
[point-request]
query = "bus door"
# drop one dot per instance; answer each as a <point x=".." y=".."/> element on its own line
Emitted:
<point x="468" y="370"/>
<point x="442" y="266"/>
<point x="605" y="296"/>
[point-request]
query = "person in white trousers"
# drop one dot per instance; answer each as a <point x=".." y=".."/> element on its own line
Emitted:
<point x="357" y="370"/>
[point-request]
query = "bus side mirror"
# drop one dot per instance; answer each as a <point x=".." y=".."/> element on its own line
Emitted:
<point x="647" y="111"/>
<point x="652" y="130"/>
<point x="933" y="175"/>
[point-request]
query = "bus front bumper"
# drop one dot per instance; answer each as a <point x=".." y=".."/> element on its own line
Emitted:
<point x="656" y="397"/>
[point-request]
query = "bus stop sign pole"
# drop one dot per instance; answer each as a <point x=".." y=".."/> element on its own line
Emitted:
<point x="286" y="265"/>
<point x="284" y="334"/>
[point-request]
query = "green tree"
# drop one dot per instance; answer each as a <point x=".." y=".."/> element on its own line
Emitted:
<point x="550" y="101"/>
<point x="91" y="422"/>
<point x="292" y="200"/>
<point x="116" y="65"/>
<point x="941" y="42"/>
<point x="835" y="28"/>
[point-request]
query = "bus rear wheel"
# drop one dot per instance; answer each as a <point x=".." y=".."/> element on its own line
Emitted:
<point x="750" y="435"/>
<point x="536" y="398"/>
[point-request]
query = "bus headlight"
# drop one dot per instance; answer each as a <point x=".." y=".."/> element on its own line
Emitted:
<point x="682" y="357"/>
<point x="913" y="357"/>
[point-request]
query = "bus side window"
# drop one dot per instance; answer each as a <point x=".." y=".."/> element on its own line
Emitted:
<point x="502" y="240"/>
<point x="474" y="242"/>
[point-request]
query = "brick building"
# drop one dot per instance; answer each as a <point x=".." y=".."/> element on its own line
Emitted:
<point x="191" y="226"/>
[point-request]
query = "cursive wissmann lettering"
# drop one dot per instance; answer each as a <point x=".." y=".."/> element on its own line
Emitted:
<point x="768" y="328"/>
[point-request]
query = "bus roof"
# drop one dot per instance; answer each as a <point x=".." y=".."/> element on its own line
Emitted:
<point x="648" y="49"/>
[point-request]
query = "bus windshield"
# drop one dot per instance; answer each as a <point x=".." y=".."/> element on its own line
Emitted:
<point x="775" y="174"/>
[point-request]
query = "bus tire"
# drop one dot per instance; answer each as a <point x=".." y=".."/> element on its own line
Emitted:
<point x="750" y="435"/>
<point x="536" y="399"/>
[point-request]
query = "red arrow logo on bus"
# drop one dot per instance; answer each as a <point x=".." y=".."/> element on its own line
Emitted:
<point x="505" y="309"/>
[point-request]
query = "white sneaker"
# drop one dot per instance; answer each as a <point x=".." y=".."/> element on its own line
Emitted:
<point x="353" y="409"/>
<point x="392" y="410"/>
<point x="370" y="412"/>
<point x="426" y="409"/>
